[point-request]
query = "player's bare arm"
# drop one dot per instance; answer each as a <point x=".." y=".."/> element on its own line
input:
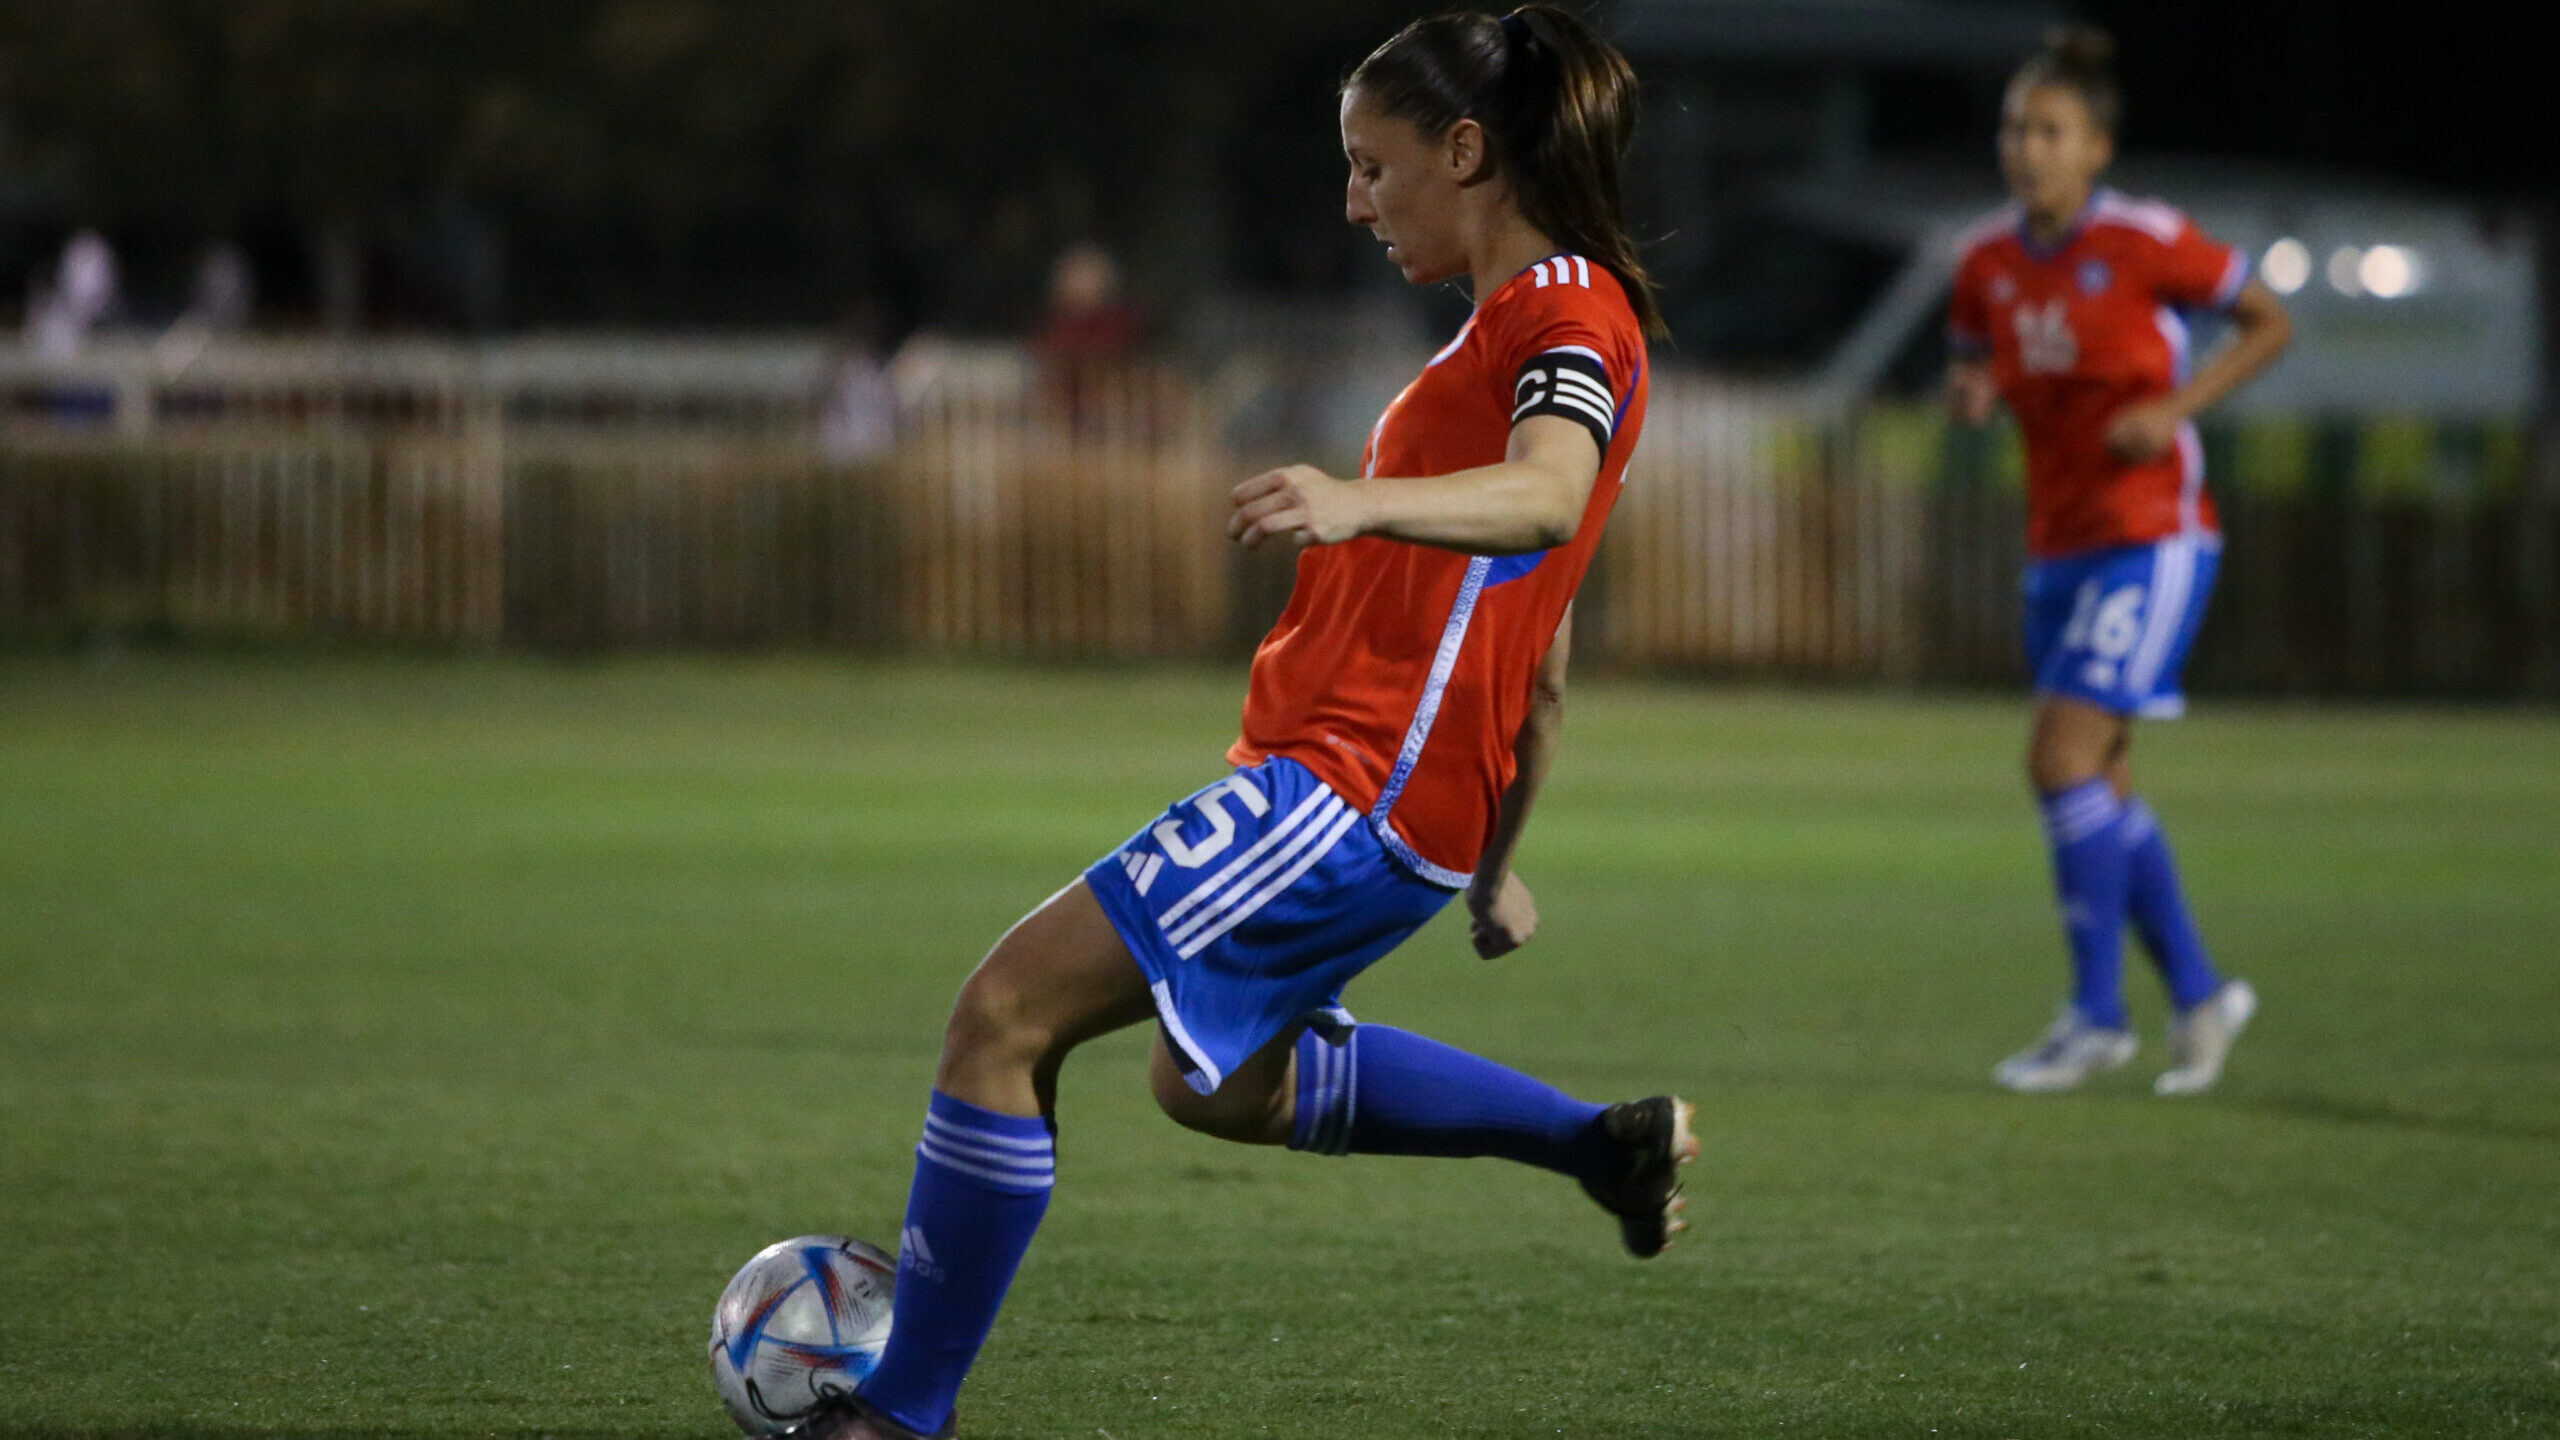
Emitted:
<point x="1532" y="500"/>
<point x="1501" y="914"/>
<point x="2261" y="326"/>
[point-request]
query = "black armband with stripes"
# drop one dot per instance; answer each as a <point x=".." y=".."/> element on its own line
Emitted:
<point x="1571" y="384"/>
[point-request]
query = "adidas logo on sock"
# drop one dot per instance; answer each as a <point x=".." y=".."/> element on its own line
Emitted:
<point x="914" y="1254"/>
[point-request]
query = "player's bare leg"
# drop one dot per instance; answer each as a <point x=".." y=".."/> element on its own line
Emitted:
<point x="1059" y="977"/>
<point x="2075" y="742"/>
<point x="1258" y="1104"/>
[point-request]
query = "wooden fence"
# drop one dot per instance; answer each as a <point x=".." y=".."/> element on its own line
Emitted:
<point x="568" y="497"/>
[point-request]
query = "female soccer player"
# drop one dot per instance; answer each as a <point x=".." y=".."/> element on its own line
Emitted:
<point x="2068" y="305"/>
<point x="1397" y="725"/>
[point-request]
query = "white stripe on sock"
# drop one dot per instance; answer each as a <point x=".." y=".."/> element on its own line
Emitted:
<point x="991" y="1176"/>
<point x="1042" y="1145"/>
<point x="1029" y="1169"/>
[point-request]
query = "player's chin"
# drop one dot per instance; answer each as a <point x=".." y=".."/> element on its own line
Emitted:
<point x="1422" y="272"/>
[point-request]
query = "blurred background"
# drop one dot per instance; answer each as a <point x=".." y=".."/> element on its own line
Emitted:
<point x="923" y="327"/>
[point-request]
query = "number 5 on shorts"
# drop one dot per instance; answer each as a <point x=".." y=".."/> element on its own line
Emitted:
<point x="1191" y="855"/>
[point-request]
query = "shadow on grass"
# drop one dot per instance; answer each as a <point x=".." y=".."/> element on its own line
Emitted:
<point x="2340" y="1110"/>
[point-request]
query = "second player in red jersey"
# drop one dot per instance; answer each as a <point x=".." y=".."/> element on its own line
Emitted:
<point x="2080" y="330"/>
<point x="2072" y="305"/>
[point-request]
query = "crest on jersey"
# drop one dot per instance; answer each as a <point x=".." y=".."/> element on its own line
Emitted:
<point x="2095" y="277"/>
<point x="2003" y="289"/>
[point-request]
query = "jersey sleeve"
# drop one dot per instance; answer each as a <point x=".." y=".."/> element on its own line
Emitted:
<point x="2194" y="271"/>
<point x="1561" y="356"/>
<point x="1968" y="316"/>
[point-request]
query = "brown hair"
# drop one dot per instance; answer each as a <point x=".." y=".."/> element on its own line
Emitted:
<point x="1558" y="106"/>
<point x="2081" y="59"/>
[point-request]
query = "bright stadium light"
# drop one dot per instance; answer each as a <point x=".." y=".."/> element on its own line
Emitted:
<point x="2388" y="271"/>
<point x="2287" y="265"/>
<point x="2343" y="262"/>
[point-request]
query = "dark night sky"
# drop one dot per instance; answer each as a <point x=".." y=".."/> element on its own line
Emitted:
<point x="2449" y="95"/>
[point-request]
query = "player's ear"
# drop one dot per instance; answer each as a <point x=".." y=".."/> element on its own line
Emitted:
<point x="1466" y="154"/>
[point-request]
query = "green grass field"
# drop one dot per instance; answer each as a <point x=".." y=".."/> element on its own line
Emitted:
<point x="404" y="1047"/>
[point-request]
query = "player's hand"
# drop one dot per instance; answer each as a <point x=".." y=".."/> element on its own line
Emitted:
<point x="1971" y="392"/>
<point x="1503" y="921"/>
<point x="2143" y="432"/>
<point x="1298" y="503"/>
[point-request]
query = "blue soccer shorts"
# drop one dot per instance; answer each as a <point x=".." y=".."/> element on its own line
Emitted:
<point x="2113" y="627"/>
<point x="1250" y="905"/>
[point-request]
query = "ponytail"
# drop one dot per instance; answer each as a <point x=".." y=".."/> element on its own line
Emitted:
<point x="2081" y="59"/>
<point x="1558" y="106"/>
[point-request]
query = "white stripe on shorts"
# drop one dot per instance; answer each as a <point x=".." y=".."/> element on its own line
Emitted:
<point x="1243" y="911"/>
<point x="1205" y="1077"/>
<point x="2173" y="574"/>
<point x="1241" y="890"/>
<point x="1274" y="836"/>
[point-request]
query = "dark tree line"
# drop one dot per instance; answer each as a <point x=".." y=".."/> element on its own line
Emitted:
<point x="671" y="161"/>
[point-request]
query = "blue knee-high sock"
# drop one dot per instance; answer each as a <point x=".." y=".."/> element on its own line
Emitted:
<point x="982" y="1183"/>
<point x="2084" y="827"/>
<point x="1384" y="1091"/>
<point x="2158" y="904"/>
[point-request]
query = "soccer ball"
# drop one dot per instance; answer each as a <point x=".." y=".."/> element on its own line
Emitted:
<point x="800" y="1323"/>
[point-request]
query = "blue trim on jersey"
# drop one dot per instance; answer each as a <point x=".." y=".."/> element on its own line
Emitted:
<point x="1426" y="712"/>
<point x="1411" y="859"/>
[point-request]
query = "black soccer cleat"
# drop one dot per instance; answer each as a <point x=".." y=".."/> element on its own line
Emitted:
<point x="853" y="1418"/>
<point x="1651" y="1141"/>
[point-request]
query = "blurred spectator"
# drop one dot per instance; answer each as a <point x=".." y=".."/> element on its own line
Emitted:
<point x="859" y="418"/>
<point x="82" y="296"/>
<point x="225" y="293"/>
<point x="1090" y="331"/>
<point x="224" y="296"/>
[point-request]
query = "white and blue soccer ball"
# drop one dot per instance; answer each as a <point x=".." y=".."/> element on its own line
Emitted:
<point x="802" y="1322"/>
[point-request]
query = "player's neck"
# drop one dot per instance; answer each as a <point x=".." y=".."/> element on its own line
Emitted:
<point x="1509" y="245"/>
<point x="2051" y="227"/>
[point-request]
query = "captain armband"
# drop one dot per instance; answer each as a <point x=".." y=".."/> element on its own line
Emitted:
<point x="1569" y="383"/>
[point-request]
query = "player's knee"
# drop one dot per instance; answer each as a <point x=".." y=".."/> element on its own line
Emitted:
<point x="2055" y="764"/>
<point x="2052" y="770"/>
<point x="1225" y="1115"/>
<point x="1175" y="1097"/>
<point x="996" y="1020"/>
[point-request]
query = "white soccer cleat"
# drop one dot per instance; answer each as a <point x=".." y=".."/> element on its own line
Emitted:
<point x="2070" y="1052"/>
<point x="2200" y="1040"/>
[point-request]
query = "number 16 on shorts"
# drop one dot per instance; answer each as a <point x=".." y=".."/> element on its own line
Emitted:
<point x="2113" y="627"/>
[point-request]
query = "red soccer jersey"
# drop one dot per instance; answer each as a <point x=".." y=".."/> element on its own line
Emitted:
<point x="2076" y="333"/>
<point x="1400" y="674"/>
